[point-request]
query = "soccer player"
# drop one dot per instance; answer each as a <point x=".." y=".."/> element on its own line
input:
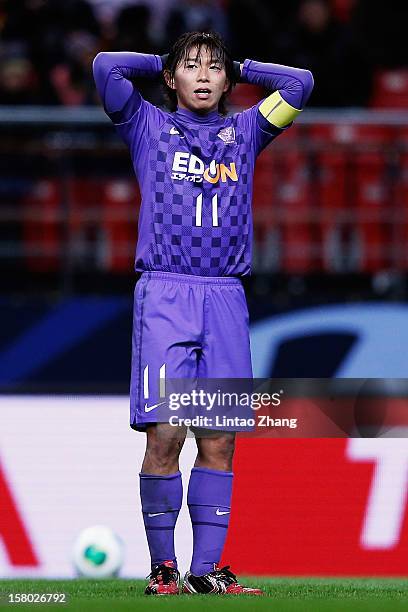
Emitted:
<point x="195" y="169"/>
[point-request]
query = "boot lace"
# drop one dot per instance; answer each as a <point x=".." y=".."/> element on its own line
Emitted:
<point x="225" y="575"/>
<point x="163" y="573"/>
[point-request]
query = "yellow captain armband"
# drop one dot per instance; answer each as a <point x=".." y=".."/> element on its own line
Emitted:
<point x="277" y="111"/>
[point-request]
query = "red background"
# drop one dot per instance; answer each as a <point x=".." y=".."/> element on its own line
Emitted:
<point x="303" y="504"/>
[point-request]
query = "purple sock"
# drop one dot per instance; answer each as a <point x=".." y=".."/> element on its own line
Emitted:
<point x="209" y="502"/>
<point x="161" y="502"/>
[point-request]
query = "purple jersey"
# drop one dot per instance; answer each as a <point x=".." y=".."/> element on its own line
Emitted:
<point x="195" y="172"/>
<point x="195" y="175"/>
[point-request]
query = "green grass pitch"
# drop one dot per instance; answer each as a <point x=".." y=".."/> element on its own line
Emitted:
<point x="282" y="595"/>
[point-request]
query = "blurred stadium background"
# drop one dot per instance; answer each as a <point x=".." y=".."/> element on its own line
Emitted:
<point x="328" y="296"/>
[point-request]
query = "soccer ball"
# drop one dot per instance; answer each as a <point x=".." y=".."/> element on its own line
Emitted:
<point x="97" y="552"/>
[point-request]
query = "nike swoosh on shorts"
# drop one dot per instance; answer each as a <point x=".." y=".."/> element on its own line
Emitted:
<point x="149" y="408"/>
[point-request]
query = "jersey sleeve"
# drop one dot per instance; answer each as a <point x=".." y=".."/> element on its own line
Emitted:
<point x="258" y="129"/>
<point x="291" y="88"/>
<point x="137" y="130"/>
<point x="133" y="116"/>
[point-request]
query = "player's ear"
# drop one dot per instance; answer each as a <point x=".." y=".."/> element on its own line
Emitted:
<point x="227" y="84"/>
<point x="169" y="79"/>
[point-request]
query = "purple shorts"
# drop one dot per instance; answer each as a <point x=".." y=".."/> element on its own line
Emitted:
<point x="185" y="326"/>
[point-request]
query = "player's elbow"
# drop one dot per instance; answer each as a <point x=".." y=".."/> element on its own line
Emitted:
<point x="101" y="66"/>
<point x="308" y="84"/>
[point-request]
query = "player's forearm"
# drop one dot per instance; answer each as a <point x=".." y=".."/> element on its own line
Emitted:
<point x="114" y="73"/>
<point x="294" y="84"/>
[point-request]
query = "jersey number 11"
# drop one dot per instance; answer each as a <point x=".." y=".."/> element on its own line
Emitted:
<point x="199" y="210"/>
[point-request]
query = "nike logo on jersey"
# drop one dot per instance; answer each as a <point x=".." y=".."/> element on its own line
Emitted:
<point x="219" y="512"/>
<point x="150" y="408"/>
<point x="174" y="132"/>
<point x="150" y="514"/>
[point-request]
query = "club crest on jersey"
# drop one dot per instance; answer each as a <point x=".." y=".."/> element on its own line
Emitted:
<point x="227" y="134"/>
<point x="189" y="167"/>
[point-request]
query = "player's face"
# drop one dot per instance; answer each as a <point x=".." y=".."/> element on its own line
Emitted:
<point x="199" y="82"/>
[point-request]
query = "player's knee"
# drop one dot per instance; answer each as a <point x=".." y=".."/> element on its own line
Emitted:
<point x="216" y="453"/>
<point x="162" y="454"/>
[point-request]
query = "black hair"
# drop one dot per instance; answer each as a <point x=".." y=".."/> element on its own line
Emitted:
<point x="179" y="53"/>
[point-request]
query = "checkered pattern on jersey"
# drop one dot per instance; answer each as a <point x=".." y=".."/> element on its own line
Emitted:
<point x="177" y="244"/>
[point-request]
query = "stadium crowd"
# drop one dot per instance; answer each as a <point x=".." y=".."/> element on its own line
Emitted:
<point x="47" y="46"/>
